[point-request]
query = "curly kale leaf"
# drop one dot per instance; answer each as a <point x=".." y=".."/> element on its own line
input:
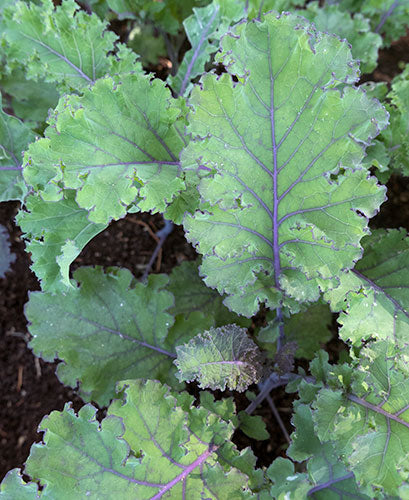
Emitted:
<point x="115" y="144"/>
<point x="356" y="29"/>
<point x="328" y="476"/>
<point x="220" y="357"/>
<point x="287" y="484"/>
<point x="152" y="444"/>
<point x="55" y="234"/>
<point x="374" y="295"/>
<point x="61" y="44"/>
<point x="283" y="150"/>
<point x="178" y="442"/>
<point x="363" y="410"/>
<point x="202" y="27"/>
<point x="389" y="18"/>
<point x="107" y="329"/>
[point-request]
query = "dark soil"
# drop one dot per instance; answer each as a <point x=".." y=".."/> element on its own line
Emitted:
<point x="395" y="211"/>
<point x="29" y="387"/>
<point x="391" y="60"/>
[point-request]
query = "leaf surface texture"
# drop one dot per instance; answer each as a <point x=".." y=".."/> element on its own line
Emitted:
<point x="153" y="444"/>
<point x="115" y="144"/>
<point x="15" y="136"/>
<point x="282" y="148"/>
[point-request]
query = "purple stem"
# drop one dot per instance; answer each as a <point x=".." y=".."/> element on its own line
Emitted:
<point x="162" y="234"/>
<point x="196" y="52"/>
<point x="246" y="8"/>
<point x="260" y="10"/>
<point x="181" y="477"/>
<point x="278" y="418"/>
<point x="281" y="336"/>
<point x="329" y="483"/>
<point x="377" y="409"/>
<point x="274" y="380"/>
<point x="67" y="61"/>
<point x="276" y="247"/>
<point x="271" y="383"/>
<point x="385" y="15"/>
<point x="10" y="168"/>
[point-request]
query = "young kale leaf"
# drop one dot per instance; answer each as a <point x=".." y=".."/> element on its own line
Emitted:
<point x="220" y="357"/>
<point x="202" y="27"/>
<point x="356" y="29"/>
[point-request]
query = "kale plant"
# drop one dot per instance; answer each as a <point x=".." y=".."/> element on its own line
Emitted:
<point x="263" y="146"/>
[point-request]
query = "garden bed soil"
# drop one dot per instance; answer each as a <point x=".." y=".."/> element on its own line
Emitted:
<point x="29" y="387"/>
